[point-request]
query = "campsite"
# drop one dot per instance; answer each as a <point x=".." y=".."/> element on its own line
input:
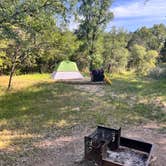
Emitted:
<point x="82" y="83"/>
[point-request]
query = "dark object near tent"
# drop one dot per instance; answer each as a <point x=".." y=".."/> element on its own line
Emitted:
<point x="97" y="75"/>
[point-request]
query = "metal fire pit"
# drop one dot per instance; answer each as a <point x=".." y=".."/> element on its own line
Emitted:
<point x="103" y="139"/>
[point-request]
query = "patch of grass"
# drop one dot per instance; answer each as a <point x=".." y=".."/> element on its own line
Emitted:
<point x="22" y="81"/>
<point x="101" y="118"/>
<point x="136" y="98"/>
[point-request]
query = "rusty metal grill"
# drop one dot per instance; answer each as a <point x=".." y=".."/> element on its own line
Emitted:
<point x="104" y="140"/>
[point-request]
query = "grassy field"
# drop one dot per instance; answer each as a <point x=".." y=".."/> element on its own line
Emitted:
<point x="36" y="107"/>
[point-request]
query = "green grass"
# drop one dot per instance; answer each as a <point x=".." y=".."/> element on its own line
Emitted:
<point x="37" y="107"/>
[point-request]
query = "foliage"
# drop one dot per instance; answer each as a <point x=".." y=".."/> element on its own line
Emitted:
<point x="142" y="60"/>
<point x="94" y="15"/>
<point x="33" y="38"/>
<point x="54" y="46"/>
<point x="150" y="38"/>
<point x="99" y="49"/>
<point x="3" y="46"/>
<point x="115" y="55"/>
<point x="163" y="53"/>
<point x="21" y="22"/>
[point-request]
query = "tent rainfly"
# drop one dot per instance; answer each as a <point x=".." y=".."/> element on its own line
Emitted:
<point x="67" y="70"/>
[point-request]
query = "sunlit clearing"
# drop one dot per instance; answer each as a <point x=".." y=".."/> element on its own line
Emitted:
<point x="9" y="138"/>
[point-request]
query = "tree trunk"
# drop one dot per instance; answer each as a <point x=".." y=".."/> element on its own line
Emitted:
<point x="109" y="68"/>
<point x="14" y="64"/>
<point x="91" y="65"/>
<point x="11" y="76"/>
<point x="91" y="51"/>
<point x="91" y="60"/>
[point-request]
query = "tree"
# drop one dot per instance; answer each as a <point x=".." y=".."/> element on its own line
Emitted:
<point x="150" y="60"/>
<point x="150" y="38"/>
<point x="141" y="60"/>
<point x="14" y="12"/>
<point x="94" y="15"/>
<point x="15" y="25"/>
<point x="55" y="46"/>
<point x="137" y="57"/>
<point x="115" y="55"/>
<point x="159" y="32"/>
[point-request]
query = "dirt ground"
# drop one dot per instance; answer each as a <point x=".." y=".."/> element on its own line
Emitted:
<point x="69" y="150"/>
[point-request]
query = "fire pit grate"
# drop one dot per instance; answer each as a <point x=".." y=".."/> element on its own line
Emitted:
<point x="106" y="147"/>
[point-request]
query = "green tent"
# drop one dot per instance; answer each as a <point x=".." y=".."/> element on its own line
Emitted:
<point x="66" y="70"/>
<point x="66" y="66"/>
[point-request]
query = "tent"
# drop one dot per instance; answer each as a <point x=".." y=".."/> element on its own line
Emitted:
<point x="67" y="70"/>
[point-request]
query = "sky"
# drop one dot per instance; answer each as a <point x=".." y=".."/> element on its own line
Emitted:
<point x="134" y="14"/>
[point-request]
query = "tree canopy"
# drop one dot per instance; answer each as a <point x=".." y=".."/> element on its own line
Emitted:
<point x="34" y="37"/>
<point x="94" y="15"/>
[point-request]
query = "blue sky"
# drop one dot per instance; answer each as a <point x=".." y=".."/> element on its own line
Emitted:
<point x="133" y="14"/>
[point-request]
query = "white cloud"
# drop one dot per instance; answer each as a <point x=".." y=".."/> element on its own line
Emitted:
<point x="140" y="9"/>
